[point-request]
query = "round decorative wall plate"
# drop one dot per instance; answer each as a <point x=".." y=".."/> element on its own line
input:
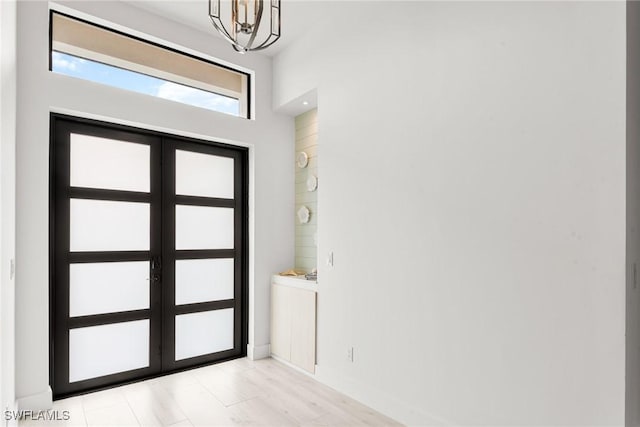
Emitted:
<point x="302" y="160"/>
<point x="303" y="215"/>
<point x="312" y="183"/>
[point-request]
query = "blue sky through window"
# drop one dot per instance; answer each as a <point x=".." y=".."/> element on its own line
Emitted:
<point x="130" y="80"/>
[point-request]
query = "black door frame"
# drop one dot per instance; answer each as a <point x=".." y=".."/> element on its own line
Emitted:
<point x="162" y="223"/>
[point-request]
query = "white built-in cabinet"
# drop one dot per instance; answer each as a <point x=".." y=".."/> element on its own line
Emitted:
<point x="293" y="324"/>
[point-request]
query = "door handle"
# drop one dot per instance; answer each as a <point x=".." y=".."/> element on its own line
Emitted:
<point x="155" y="269"/>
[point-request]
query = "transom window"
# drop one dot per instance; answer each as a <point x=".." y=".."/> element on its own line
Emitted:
<point x="91" y="52"/>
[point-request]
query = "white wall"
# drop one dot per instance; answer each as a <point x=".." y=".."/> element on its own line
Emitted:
<point x="41" y="92"/>
<point x="633" y="217"/>
<point x="7" y="200"/>
<point x="479" y="274"/>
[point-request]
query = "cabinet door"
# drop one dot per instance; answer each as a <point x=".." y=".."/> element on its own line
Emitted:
<point x="280" y="321"/>
<point x="303" y="329"/>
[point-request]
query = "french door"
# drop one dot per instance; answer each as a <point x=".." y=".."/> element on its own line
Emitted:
<point x="148" y="244"/>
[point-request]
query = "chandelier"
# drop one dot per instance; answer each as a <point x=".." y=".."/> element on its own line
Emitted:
<point x="247" y="30"/>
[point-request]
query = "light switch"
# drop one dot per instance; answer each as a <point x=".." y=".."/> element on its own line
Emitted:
<point x="330" y="259"/>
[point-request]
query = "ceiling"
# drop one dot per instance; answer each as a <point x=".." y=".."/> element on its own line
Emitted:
<point x="297" y="16"/>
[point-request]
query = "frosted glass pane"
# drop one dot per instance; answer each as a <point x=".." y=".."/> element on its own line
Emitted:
<point x="107" y="349"/>
<point x="204" y="333"/>
<point x="109" y="163"/>
<point x="108" y="287"/>
<point x="199" y="280"/>
<point x="199" y="227"/>
<point x="99" y="225"/>
<point x="204" y="175"/>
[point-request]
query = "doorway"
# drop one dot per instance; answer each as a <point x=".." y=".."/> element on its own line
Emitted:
<point x="147" y="254"/>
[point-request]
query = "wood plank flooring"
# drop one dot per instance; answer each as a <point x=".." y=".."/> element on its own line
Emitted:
<point x="239" y="392"/>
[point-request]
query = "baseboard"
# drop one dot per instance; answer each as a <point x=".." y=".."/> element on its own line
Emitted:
<point x="380" y="400"/>
<point x="292" y="366"/>
<point x="37" y="402"/>
<point x="258" y="351"/>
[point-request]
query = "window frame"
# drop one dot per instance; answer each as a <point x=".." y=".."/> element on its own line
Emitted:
<point x="249" y="115"/>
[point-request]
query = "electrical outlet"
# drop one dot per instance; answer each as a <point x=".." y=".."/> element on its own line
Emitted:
<point x="350" y="354"/>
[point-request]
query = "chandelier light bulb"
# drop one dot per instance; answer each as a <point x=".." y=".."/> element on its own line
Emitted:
<point x="250" y="24"/>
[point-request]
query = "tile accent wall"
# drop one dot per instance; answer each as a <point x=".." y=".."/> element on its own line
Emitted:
<point x="307" y="141"/>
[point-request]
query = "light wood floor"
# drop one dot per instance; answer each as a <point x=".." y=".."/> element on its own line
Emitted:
<point x="240" y="392"/>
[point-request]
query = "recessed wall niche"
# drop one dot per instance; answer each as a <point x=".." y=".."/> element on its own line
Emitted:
<point x="307" y="187"/>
